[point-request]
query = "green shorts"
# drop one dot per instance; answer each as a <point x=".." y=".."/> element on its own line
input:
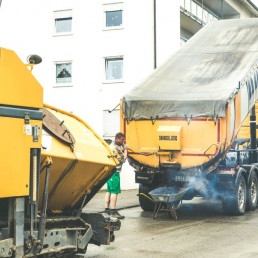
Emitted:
<point x="113" y="184"/>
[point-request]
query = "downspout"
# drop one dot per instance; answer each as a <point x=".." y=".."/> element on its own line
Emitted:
<point x="221" y="9"/>
<point x="202" y="14"/>
<point x="154" y="34"/>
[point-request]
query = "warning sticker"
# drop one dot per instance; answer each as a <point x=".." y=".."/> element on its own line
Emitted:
<point x="27" y="129"/>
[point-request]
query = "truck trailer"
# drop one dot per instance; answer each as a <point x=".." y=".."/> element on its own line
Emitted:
<point x="52" y="165"/>
<point x="191" y="124"/>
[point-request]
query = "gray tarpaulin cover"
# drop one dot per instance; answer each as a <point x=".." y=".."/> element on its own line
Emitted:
<point x="201" y="77"/>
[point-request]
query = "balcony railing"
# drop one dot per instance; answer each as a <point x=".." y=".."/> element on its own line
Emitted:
<point x="199" y="13"/>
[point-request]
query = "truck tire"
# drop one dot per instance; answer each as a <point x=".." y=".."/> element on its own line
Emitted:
<point x="235" y="202"/>
<point x="252" y="192"/>
<point x="145" y="203"/>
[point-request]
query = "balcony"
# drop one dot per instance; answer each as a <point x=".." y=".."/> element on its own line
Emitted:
<point x="194" y="14"/>
<point x="197" y="12"/>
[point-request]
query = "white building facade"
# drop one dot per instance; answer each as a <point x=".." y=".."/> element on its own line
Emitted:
<point x="94" y="51"/>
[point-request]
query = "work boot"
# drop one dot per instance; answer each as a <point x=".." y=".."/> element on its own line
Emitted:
<point x="107" y="210"/>
<point x="116" y="214"/>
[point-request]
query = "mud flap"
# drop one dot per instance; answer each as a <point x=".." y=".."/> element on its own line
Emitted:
<point x="103" y="227"/>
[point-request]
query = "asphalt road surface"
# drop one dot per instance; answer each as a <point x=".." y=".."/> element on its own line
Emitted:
<point x="202" y="230"/>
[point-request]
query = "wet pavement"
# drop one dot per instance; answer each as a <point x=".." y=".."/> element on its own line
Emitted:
<point x="126" y="199"/>
<point x="202" y="230"/>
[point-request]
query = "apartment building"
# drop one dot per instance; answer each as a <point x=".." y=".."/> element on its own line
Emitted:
<point x="95" y="51"/>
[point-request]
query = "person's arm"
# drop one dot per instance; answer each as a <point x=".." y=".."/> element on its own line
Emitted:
<point x="126" y="147"/>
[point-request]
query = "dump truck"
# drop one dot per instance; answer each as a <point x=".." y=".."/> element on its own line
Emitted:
<point x="191" y="125"/>
<point x="52" y="165"/>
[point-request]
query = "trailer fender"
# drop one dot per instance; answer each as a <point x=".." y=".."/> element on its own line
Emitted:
<point x="253" y="169"/>
<point x="241" y="171"/>
<point x="252" y="190"/>
<point x="250" y="169"/>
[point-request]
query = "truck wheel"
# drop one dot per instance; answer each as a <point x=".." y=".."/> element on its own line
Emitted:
<point x="252" y="193"/>
<point x="235" y="203"/>
<point x="145" y="203"/>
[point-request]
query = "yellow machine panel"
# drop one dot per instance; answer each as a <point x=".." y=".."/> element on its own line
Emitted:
<point x="169" y="137"/>
<point x="20" y="86"/>
<point x="15" y="156"/>
<point x="21" y="96"/>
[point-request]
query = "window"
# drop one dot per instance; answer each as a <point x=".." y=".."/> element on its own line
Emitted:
<point x="111" y="123"/>
<point x="63" y="25"/>
<point x="62" y="22"/>
<point x="113" y="18"/>
<point x="114" y="68"/>
<point x="63" y="73"/>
